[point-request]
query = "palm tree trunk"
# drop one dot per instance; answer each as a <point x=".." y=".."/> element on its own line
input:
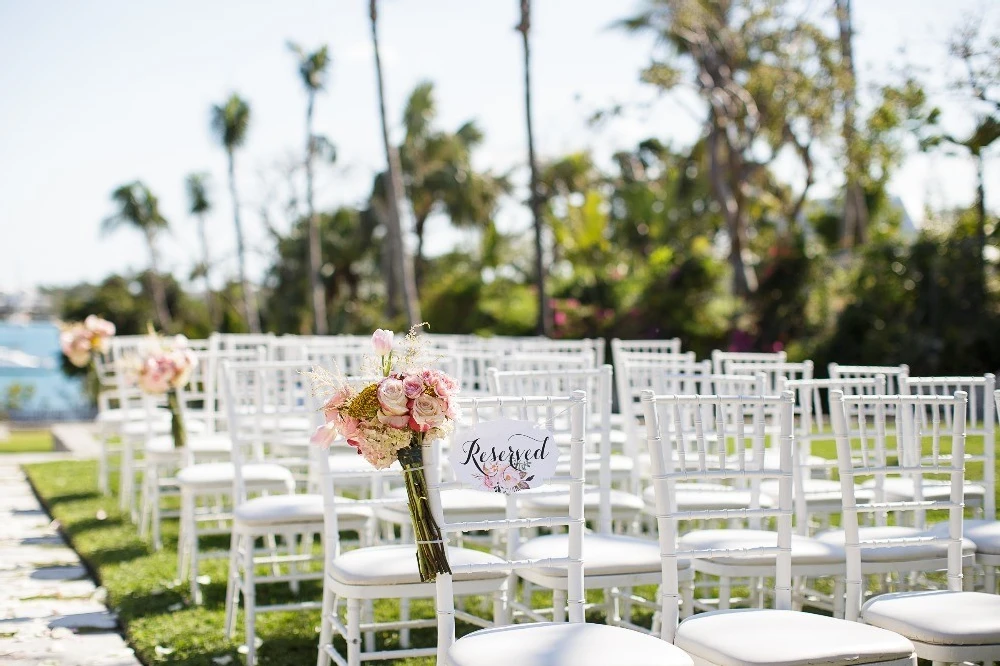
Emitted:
<point x="394" y="186"/>
<point x="544" y="326"/>
<point x="156" y="284"/>
<point x="320" y="324"/>
<point x="249" y="300"/>
<point x="855" y="220"/>
<point x="213" y="317"/>
<point x="743" y="281"/>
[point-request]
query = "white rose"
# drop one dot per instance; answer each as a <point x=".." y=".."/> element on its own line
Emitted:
<point x="392" y="397"/>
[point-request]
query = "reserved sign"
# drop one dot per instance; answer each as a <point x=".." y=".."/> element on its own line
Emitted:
<point x="504" y="456"/>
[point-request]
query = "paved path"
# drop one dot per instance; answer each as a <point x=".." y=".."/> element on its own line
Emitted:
<point x="51" y="614"/>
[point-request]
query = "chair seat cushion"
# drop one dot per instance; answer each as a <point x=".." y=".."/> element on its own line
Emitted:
<point x="563" y="644"/>
<point x="984" y="533"/>
<point x="548" y="500"/>
<point x="397" y="565"/>
<point x="821" y="492"/>
<point x="940" y="617"/>
<point x="163" y="445"/>
<point x="603" y="554"/>
<point x="805" y="550"/>
<point x="898" y="489"/>
<point x="220" y="475"/>
<point x="280" y="509"/>
<point x="900" y="553"/>
<point x="706" y="496"/>
<point x="159" y="426"/>
<point x="458" y="504"/>
<point x="752" y="637"/>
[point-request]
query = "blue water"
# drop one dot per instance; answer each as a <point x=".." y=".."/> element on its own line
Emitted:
<point x="56" y="396"/>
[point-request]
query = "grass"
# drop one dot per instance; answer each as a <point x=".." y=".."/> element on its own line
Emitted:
<point x="27" y="441"/>
<point x="155" y="610"/>
<point x="160" y="622"/>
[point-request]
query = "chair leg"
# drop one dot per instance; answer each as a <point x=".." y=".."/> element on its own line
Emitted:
<point x="725" y="593"/>
<point x="193" y="558"/>
<point x="501" y="616"/>
<point x="354" y="632"/>
<point x="369" y="617"/>
<point x="145" y="512"/>
<point x="250" y="601"/>
<point x="839" y="600"/>
<point x="558" y="605"/>
<point x="102" y="467"/>
<point x="404" y="634"/>
<point x="125" y="476"/>
<point x="233" y="584"/>
<point x="291" y="542"/>
<point x="325" y="628"/>
<point x="184" y="534"/>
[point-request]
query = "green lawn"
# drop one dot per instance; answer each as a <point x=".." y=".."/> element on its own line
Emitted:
<point x="160" y="623"/>
<point x="27" y="441"/>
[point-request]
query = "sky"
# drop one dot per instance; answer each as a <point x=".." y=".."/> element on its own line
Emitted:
<point x="97" y="94"/>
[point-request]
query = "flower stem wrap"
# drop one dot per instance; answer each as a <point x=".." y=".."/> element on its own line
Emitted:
<point x="176" y="420"/>
<point x="432" y="558"/>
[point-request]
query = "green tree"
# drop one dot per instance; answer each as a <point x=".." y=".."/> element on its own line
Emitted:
<point x="438" y="172"/>
<point x="230" y="122"/>
<point x="313" y="71"/>
<point x="544" y="326"/>
<point x="138" y="207"/>
<point x="200" y="205"/>
<point x="401" y="281"/>
<point x="768" y="79"/>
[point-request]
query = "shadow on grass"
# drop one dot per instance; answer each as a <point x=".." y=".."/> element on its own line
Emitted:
<point x="55" y="500"/>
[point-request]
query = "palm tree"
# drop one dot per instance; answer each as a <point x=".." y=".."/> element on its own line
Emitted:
<point x="199" y="205"/>
<point x="230" y="122"/>
<point x="401" y="263"/>
<point x="534" y="198"/>
<point x="312" y="69"/>
<point x="140" y="209"/>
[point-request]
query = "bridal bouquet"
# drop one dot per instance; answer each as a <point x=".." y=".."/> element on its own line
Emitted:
<point x="388" y="420"/>
<point x="81" y="339"/>
<point x="164" y="368"/>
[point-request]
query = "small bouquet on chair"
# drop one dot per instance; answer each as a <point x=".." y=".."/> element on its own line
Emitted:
<point x="81" y="339"/>
<point x="388" y="420"/>
<point x="164" y="368"/>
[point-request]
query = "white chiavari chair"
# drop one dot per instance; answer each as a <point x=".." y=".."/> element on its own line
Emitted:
<point x="716" y="439"/>
<point x="744" y="637"/>
<point x="257" y="394"/>
<point x="544" y="643"/>
<point x="892" y="374"/>
<point x="945" y="625"/>
<point x="881" y="433"/>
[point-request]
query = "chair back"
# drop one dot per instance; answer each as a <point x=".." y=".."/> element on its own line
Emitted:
<point x="981" y="406"/>
<point x="892" y="374"/>
<point x="773" y="369"/>
<point x="668" y="346"/>
<point x="271" y="414"/>
<point x="722" y="359"/>
<point x="864" y="450"/>
<point x="744" y="424"/>
<point x="596" y="383"/>
<point x="567" y="414"/>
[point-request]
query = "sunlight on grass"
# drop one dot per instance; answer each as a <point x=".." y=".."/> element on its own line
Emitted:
<point x="27" y="441"/>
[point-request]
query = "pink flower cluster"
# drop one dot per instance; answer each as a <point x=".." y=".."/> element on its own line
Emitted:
<point x="80" y="340"/>
<point x="382" y="417"/>
<point x="502" y="477"/>
<point x="166" y="367"/>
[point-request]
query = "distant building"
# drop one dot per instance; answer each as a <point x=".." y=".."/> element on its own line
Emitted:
<point x="24" y="305"/>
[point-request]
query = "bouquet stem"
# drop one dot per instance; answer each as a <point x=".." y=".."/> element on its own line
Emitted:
<point x="176" y="420"/>
<point x="432" y="558"/>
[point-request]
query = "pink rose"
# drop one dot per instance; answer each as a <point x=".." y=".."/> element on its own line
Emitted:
<point x="397" y="421"/>
<point x="382" y="342"/>
<point x="350" y="428"/>
<point x="155" y="375"/>
<point x="510" y="477"/>
<point x="426" y="412"/>
<point x="392" y="397"/>
<point x="413" y="386"/>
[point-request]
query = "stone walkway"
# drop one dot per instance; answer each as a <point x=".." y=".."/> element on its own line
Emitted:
<point x="51" y="614"/>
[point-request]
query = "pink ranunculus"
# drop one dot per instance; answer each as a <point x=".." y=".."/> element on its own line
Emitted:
<point x="426" y="412"/>
<point x="101" y="328"/>
<point x="324" y="436"/>
<point x="392" y="397"/>
<point x="155" y="375"/>
<point x="382" y="342"/>
<point x="510" y="477"/>
<point x="413" y="385"/>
